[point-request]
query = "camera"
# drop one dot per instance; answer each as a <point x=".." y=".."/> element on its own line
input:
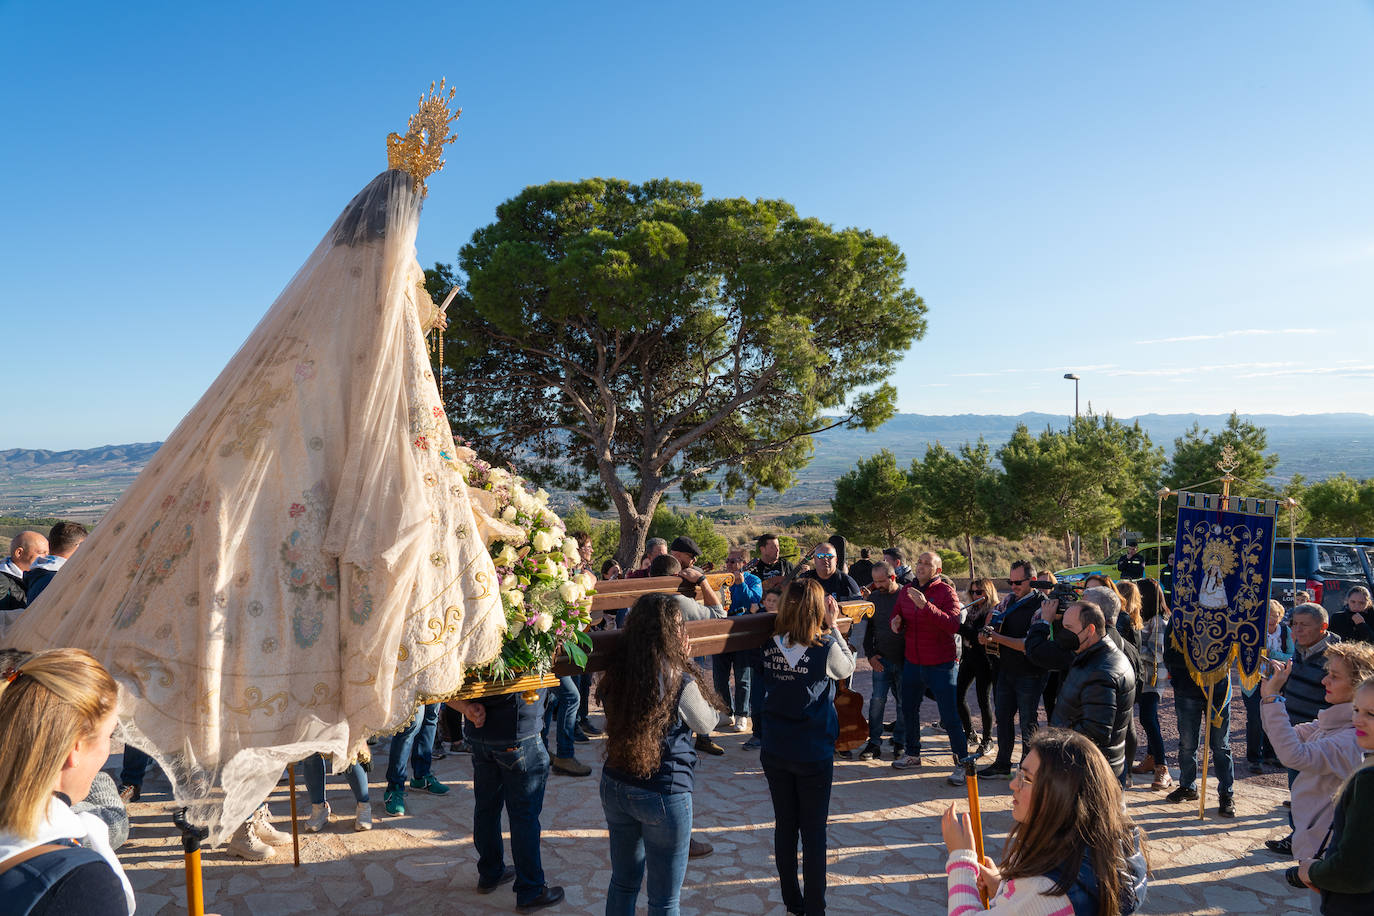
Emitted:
<point x="1064" y="592"/>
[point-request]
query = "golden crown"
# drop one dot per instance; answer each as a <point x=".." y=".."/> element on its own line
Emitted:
<point x="420" y="152"/>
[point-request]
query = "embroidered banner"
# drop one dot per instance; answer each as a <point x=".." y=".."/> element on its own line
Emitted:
<point x="1221" y="583"/>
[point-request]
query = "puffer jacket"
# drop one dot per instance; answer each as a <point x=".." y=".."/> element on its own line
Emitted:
<point x="1096" y="699"/>
<point x="930" y="631"/>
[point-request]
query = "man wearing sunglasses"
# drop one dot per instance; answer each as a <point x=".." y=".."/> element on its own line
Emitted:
<point x="1020" y="682"/>
<point x="827" y="572"/>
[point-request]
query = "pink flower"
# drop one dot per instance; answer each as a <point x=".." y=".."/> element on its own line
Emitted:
<point x="297" y="510"/>
<point x="422" y="442"/>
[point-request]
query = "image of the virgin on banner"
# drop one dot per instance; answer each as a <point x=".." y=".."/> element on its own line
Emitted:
<point x="1221" y="583"/>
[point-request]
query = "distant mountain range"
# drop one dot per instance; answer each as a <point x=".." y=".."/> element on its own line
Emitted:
<point x="85" y="482"/>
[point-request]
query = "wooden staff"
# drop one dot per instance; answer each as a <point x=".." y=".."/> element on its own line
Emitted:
<point x="1206" y="744"/>
<point x="295" y="828"/>
<point x="975" y="816"/>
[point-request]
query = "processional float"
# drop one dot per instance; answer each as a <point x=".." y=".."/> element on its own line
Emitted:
<point x="311" y="556"/>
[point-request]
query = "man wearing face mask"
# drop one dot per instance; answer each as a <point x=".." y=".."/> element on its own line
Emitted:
<point x="1098" y="692"/>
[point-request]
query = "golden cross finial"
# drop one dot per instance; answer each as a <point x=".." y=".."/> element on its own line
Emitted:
<point x="420" y="152"/>
<point x="1229" y="461"/>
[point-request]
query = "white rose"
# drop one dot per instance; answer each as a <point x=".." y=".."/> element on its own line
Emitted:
<point x="509" y="513"/>
<point x="506" y="557"/>
<point x="515" y="597"/>
<point x="541" y="496"/>
<point x="543" y="622"/>
<point x="587" y="581"/>
<point x="510" y="582"/>
<point x="543" y="541"/>
<point x="551" y="569"/>
<point x="570" y="592"/>
<point x="499" y="476"/>
<point x="572" y="548"/>
<point x="549" y="519"/>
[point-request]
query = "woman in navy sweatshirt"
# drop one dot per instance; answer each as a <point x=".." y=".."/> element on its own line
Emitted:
<point x="801" y="664"/>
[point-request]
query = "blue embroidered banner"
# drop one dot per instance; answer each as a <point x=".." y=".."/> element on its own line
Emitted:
<point x="1222" y="565"/>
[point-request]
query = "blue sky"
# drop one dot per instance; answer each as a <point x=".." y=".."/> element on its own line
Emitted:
<point x="1172" y="199"/>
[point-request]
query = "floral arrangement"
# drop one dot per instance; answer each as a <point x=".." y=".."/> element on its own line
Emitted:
<point x="548" y="606"/>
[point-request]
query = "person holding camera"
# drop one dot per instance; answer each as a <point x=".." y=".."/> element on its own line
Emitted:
<point x="1324" y="751"/>
<point x="1342" y="875"/>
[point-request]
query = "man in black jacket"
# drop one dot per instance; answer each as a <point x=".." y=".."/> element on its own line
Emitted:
<point x="1020" y="682"/>
<point x="1098" y="692"/>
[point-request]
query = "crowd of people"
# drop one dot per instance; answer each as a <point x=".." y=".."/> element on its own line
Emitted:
<point x="1091" y="660"/>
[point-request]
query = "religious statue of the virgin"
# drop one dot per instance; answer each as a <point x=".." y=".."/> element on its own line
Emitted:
<point x="300" y="564"/>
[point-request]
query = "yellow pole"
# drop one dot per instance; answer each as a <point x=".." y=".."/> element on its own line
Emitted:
<point x="1206" y="745"/>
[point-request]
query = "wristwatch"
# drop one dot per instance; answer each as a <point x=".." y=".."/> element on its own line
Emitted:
<point x="1273" y="699"/>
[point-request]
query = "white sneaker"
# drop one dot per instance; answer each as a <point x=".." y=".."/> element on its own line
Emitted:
<point x="319" y="816"/>
<point x="741" y="724"/>
<point x="246" y="845"/>
<point x="363" y="821"/>
<point x="957" y="777"/>
<point x="264" y="829"/>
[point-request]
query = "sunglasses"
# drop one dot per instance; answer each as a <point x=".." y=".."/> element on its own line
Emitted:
<point x="1018" y="581"/>
<point x="824" y="556"/>
<point x="975" y="591"/>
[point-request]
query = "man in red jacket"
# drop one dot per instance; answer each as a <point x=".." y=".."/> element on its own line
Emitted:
<point x="928" y="613"/>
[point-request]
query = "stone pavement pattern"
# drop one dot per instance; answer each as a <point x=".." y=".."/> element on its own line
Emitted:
<point x="885" y="849"/>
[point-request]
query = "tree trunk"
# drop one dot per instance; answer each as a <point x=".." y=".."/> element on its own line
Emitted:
<point x="634" y="530"/>
<point x="1068" y="548"/>
<point x="968" y="548"/>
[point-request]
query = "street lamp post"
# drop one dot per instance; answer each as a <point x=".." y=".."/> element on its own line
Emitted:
<point x="1070" y="375"/>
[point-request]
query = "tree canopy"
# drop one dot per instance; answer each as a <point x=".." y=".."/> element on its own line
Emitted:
<point x="876" y="503"/>
<point x="623" y="340"/>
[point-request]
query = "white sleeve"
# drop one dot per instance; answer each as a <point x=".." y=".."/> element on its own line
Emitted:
<point x="839" y="661"/>
<point x="700" y="715"/>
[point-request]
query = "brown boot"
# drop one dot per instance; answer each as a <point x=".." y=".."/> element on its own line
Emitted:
<point x="1162" y="778"/>
<point x="1145" y="766"/>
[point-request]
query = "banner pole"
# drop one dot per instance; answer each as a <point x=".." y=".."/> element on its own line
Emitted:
<point x="1206" y="746"/>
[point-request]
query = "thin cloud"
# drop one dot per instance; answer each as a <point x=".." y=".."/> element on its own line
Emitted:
<point x="1366" y="371"/>
<point x="1246" y="332"/>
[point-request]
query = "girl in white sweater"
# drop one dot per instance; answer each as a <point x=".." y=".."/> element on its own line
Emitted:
<point x="1072" y="850"/>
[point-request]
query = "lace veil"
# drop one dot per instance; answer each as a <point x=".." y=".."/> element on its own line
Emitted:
<point x="299" y="565"/>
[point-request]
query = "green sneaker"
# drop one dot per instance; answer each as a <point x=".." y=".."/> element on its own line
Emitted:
<point x="429" y="784"/>
<point x="394" y="801"/>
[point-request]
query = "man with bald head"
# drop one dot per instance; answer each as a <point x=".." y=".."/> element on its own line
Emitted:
<point x="25" y="548"/>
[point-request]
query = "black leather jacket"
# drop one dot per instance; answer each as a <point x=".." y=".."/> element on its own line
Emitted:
<point x="1096" y="700"/>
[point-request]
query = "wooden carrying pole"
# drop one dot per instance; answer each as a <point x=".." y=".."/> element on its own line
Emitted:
<point x="295" y="827"/>
<point x="975" y="816"/>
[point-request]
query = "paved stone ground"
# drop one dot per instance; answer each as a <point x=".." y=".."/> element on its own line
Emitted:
<point x="885" y="849"/>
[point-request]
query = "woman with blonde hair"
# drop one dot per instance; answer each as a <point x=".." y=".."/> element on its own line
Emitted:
<point x="1324" y="751"/>
<point x="975" y="665"/>
<point x="1072" y="848"/>
<point x="800" y="666"/>
<point x="57" y="713"/>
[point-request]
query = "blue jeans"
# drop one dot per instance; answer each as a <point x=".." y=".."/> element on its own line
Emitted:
<point x="313" y="768"/>
<point x="1149" y="720"/>
<point x="801" y="806"/>
<point x="649" y="830"/>
<point x="885" y="681"/>
<point x="941" y="679"/>
<point x="561" y="710"/>
<point x="721" y="665"/>
<point x="415" y="743"/>
<point x="1191" y="711"/>
<point x="1017" y="695"/>
<point x="509" y="775"/>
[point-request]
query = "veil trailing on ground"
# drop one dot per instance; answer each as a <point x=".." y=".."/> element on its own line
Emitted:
<point x="299" y="565"/>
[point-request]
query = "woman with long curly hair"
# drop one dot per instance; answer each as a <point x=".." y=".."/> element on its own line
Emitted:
<point x="57" y="713"/>
<point x="654" y="698"/>
<point x="801" y="664"/>
<point x="1072" y="848"/>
